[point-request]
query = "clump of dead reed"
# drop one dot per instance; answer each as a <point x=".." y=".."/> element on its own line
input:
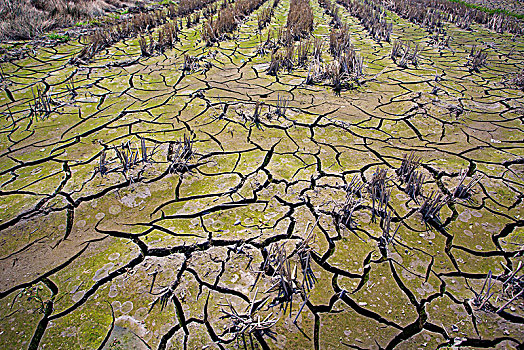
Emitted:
<point x="402" y="53"/>
<point x="42" y="104"/>
<point x="477" y="59"/>
<point x="432" y="13"/>
<point x="193" y="19"/>
<point x="246" y="324"/>
<point x="26" y="19"/>
<point x="339" y="40"/>
<point x="331" y="9"/>
<point x="275" y="64"/>
<point x="210" y="10"/>
<point x="194" y="63"/>
<point x="380" y="194"/>
<point x="179" y="155"/>
<point x="227" y="20"/>
<point x="267" y="46"/>
<point x="371" y="16"/>
<point x="186" y="7"/>
<point x="318" y="47"/>
<point x="465" y="190"/>
<point x="300" y="19"/>
<point x="284" y="36"/>
<point x="511" y="288"/>
<point x="431" y="207"/>
<point x="353" y="200"/>
<point x="264" y="17"/>
<point x="126" y="156"/>
<point x="290" y="57"/>
<point x="280" y="109"/>
<point x="341" y="73"/>
<point x="439" y="41"/>
<point x="303" y="52"/>
<point x="105" y="37"/>
<point x="165" y="39"/>
<point x="409" y="175"/>
<point x="517" y="80"/>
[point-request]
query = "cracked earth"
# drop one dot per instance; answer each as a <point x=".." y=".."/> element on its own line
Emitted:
<point x="94" y="256"/>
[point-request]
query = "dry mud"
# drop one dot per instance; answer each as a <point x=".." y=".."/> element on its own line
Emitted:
<point x="155" y="259"/>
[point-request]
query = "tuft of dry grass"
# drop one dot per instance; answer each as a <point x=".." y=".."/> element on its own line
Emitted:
<point x="432" y="13"/>
<point x="167" y="36"/>
<point x="137" y="25"/>
<point x="318" y="47"/>
<point x="477" y="59"/>
<point x="339" y="40"/>
<point x="341" y="73"/>
<point x="402" y="54"/>
<point x="371" y="16"/>
<point x="27" y="19"/>
<point x="264" y="17"/>
<point x="517" y="80"/>
<point x="227" y="19"/>
<point x="300" y="19"/>
<point x="186" y="7"/>
<point x="275" y="64"/>
<point x="330" y="8"/>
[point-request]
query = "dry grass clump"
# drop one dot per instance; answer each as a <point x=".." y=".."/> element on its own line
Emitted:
<point x="289" y="58"/>
<point x="339" y="40"/>
<point x="300" y="19"/>
<point x="477" y="58"/>
<point x="138" y="24"/>
<point x="318" y="47"/>
<point x="371" y="16"/>
<point x="214" y="29"/>
<point x="294" y="56"/>
<point x="402" y="54"/>
<point x="517" y="80"/>
<point x="98" y="41"/>
<point x="418" y="12"/>
<point x="186" y="7"/>
<point x="227" y="19"/>
<point x="267" y="46"/>
<point x="303" y="52"/>
<point x="341" y="73"/>
<point x="275" y="64"/>
<point x="264" y="17"/>
<point x="464" y="22"/>
<point x="299" y="23"/>
<point x="347" y="66"/>
<point x="210" y="10"/>
<point x="26" y="19"/>
<point x="192" y="19"/>
<point x="179" y="155"/>
<point x="430" y="208"/>
<point x="439" y="41"/>
<point x="431" y="13"/>
<point x="167" y="36"/>
<point x="284" y="36"/>
<point x="193" y="64"/>
<point x="332" y="10"/>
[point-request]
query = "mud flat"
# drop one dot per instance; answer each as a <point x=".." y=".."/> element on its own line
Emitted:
<point x="161" y="192"/>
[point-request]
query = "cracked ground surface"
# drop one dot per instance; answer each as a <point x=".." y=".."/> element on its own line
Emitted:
<point x="154" y="259"/>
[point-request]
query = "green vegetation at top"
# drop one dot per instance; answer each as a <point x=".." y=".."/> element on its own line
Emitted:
<point x="58" y="37"/>
<point x="488" y="10"/>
